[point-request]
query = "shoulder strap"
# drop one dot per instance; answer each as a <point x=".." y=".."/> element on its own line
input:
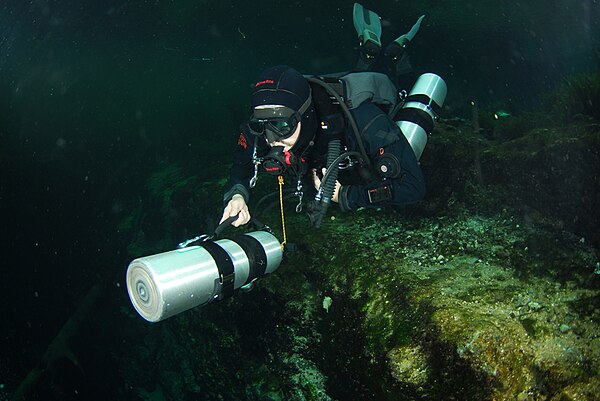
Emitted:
<point x="346" y="113"/>
<point x="324" y="103"/>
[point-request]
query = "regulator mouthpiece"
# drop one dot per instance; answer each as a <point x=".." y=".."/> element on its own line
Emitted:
<point x="421" y="109"/>
<point x="166" y="284"/>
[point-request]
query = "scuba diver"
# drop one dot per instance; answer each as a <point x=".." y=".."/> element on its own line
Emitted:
<point x="351" y="138"/>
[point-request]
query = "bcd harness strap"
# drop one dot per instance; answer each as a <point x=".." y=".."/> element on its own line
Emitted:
<point x="347" y="113"/>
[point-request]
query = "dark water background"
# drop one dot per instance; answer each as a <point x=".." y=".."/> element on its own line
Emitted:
<point x="96" y="95"/>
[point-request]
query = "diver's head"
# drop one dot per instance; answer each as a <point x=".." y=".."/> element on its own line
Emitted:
<point x="282" y="109"/>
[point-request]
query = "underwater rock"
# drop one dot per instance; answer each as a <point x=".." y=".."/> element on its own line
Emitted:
<point x="550" y="174"/>
<point x="486" y="323"/>
<point x="408" y="364"/>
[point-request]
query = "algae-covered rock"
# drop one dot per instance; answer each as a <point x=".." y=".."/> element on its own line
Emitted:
<point x="408" y="364"/>
<point x="550" y="174"/>
<point x="175" y="205"/>
<point x="457" y="307"/>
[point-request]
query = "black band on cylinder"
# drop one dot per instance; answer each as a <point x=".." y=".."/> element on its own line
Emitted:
<point x="257" y="258"/>
<point x="426" y="100"/>
<point x="225" y="267"/>
<point x="417" y="116"/>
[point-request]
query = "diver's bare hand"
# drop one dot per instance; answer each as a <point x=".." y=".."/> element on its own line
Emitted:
<point x="236" y="207"/>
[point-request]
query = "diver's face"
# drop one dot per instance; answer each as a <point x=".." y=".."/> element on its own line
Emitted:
<point x="287" y="143"/>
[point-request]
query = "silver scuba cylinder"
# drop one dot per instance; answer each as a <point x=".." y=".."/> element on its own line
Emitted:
<point x="420" y="110"/>
<point x="165" y="284"/>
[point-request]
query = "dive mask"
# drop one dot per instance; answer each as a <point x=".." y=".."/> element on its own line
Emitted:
<point x="274" y="122"/>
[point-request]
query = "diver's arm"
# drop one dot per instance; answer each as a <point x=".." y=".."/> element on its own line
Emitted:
<point x="238" y="193"/>
<point x="242" y="170"/>
<point x="407" y="187"/>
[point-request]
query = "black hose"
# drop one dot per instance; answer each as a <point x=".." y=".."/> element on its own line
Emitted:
<point x="328" y="183"/>
<point x="341" y="157"/>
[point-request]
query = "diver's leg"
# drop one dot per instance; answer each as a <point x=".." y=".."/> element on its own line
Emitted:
<point x="401" y="72"/>
<point x="400" y="69"/>
<point x="397" y="48"/>
<point x="368" y="27"/>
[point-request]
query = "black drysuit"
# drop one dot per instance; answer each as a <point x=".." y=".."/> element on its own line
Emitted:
<point x="380" y="136"/>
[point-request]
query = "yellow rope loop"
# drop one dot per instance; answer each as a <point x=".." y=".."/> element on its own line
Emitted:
<point x="280" y="179"/>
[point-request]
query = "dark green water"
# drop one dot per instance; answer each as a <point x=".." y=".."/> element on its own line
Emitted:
<point x="96" y="96"/>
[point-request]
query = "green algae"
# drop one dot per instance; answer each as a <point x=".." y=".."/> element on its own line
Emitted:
<point x="161" y="217"/>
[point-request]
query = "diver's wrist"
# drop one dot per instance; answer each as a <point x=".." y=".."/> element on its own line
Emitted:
<point x="237" y="189"/>
<point x="343" y="198"/>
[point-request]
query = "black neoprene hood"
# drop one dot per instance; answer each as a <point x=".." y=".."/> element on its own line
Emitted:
<point x="281" y="85"/>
